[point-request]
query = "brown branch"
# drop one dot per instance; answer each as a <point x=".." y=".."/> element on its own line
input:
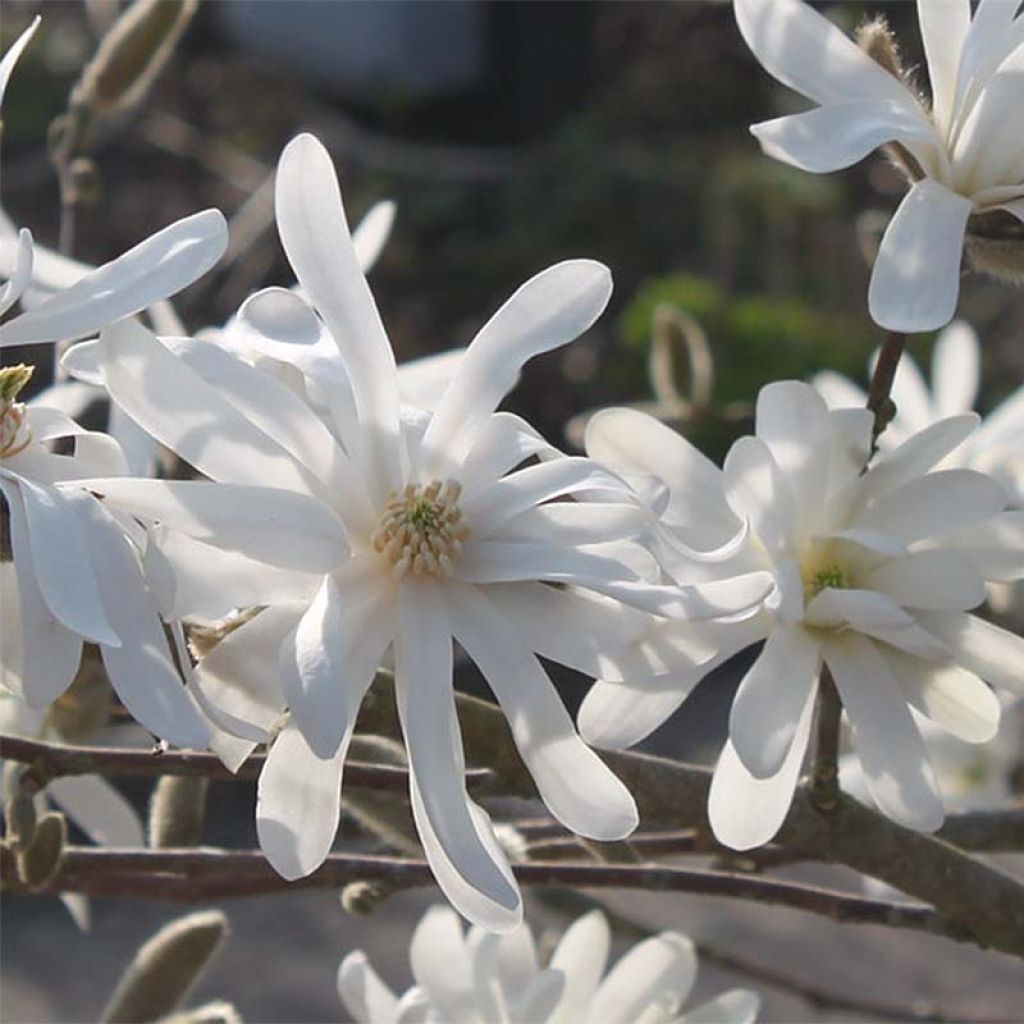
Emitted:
<point x="880" y="390"/>
<point x="211" y="874"/>
<point x="54" y="760"/>
<point x="986" y="831"/>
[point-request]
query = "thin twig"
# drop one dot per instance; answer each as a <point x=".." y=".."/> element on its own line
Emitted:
<point x="879" y="400"/>
<point x="54" y="760"/>
<point x="210" y="874"/>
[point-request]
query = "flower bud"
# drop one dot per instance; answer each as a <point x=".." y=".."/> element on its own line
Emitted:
<point x="40" y="862"/>
<point x="994" y="245"/>
<point x="176" y="811"/>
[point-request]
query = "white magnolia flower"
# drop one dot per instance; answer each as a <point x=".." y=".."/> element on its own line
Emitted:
<point x="160" y="266"/>
<point x="994" y="448"/>
<point x="72" y="567"/>
<point x="445" y="542"/>
<point x="967" y="144"/>
<point x="868" y="584"/>
<point x="484" y="978"/>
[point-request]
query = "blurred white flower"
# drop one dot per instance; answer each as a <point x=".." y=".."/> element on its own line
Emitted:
<point x="445" y="543"/>
<point x="965" y="148"/>
<point x="484" y="978"/>
<point x="994" y="448"/>
<point x="869" y="582"/>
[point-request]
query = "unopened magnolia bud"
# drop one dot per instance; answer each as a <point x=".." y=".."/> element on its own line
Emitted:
<point x="166" y="969"/>
<point x="176" y="811"/>
<point x="13" y="379"/>
<point x="132" y="54"/>
<point x="20" y="820"/>
<point x="362" y="897"/>
<point x="217" y="1012"/>
<point x="204" y="636"/>
<point x="41" y="861"/>
<point x="994" y="245"/>
<point x="84" y="181"/>
<point x="876" y="39"/>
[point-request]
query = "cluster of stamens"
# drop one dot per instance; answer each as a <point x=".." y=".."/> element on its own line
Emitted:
<point x="15" y="433"/>
<point x="831" y="575"/>
<point x="421" y="530"/>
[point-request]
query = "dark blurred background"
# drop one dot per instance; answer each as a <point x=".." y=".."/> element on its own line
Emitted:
<point x="511" y="135"/>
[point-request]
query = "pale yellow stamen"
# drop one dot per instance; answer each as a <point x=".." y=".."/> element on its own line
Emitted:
<point x="421" y="530"/>
<point x="831" y="575"/>
<point x="15" y="433"/>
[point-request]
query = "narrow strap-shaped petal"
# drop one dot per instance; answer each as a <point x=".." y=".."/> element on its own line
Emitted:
<point x="758" y="492"/>
<point x="98" y="810"/>
<point x="40" y="654"/>
<point x="944" y="28"/>
<point x="14" y="52"/>
<point x="888" y="743"/>
<point x="426" y="707"/>
<point x="576" y="523"/>
<point x="581" y="955"/>
<point x="362" y="992"/>
<point x="995" y="547"/>
<point x="737" y="1006"/>
<point x="371" y="234"/>
<point x="915" y="282"/>
<point x="21" y="276"/>
<point x="315" y="235"/>
<point x="440" y="963"/>
<point x="838" y="391"/>
<point x="269" y="524"/>
<point x="298" y="804"/>
<point x="745" y="812"/>
<point x="956" y="368"/>
<point x="333" y="655"/>
<point x="154" y="269"/>
<point x="937" y="579"/>
<point x="771" y="696"/>
<point x="989" y="651"/>
<point x="502" y="442"/>
<point x="577" y="787"/>
<point x="548" y="311"/>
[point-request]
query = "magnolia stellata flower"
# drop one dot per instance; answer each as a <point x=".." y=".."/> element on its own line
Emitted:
<point x="963" y="151"/>
<point x="160" y="266"/>
<point x="484" y="978"/>
<point x="994" y="448"/>
<point x="445" y="542"/>
<point x="869" y="583"/>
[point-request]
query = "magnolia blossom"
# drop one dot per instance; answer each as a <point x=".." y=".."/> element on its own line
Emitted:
<point x="994" y="448"/>
<point x="444" y="542"/>
<point x="964" y="150"/>
<point x="484" y="978"/>
<point x="869" y="582"/>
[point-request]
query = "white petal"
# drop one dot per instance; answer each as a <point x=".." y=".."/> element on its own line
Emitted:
<point x="441" y="965"/>
<point x="63" y="569"/>
<point x="745" y="812"/>
<point x="98" y="809"/>
<point x="298" y="804"/>
<point x="955" y="369"/>
<point x="21" y="276"/>
<point x="281" y="528"/>
<point x="631" y="442"/>
<point x="160" y="266"/>
<point x="949" y="695"/>
<point x="935" y="504"/>
<point x="329" y="663"/>
<point x="142" y="671"/>
<point x="362" y="992"/>
<point x="581" y="955"/>
<point x="794" y="422"/>
<point x="737" y="1006"/>
<point x="370" y="236"/>
<point x="944" y="26"/>
<point x="659" y="971"/>
<point x="770" y="698"/>
<point x="422" y="382"/>
<point x="838" y="391"/>
<point x="240" y="675"/>
<point x="472" y="903"/>
<point x="910" y="394"/>
<point x="941" y="580"/>
<point x="837" y="135"/>
<point x="14" y="52"/>
<point x="548" y="311"/>
<point x="876" y="615"/>
<point x="488" y="510"/>
<point x="995" y="547"/>
<point x="577" y="787"/>
<point x="426" y="707"/>
<point x="189" y="578"/>
<point x="541" y="995"/>
<point x="759" y="493"/>
<point x="315" y="236"/>
<point x="994" y="654"/>
<point x="500" y="445"/>
<point x="576" y="523"/>
<point x="888" y="743"/>
<point x="174" y="404"/>
<point x="42" y="658"/>
<point x="915" y="281"/>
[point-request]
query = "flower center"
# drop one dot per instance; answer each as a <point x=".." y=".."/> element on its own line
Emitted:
<point x="421" y="530"/>
<point x="817" y="579"/>
<point x="15" y="434"/>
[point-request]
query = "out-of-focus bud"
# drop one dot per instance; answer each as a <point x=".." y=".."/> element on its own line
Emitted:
<point x="876" y="39"/>
<point x="84" y="707"/>
<point x="362" y="897"/>
<point x="176" y="811"/>
<point x="166" y="969"/>
<point x="204" y="636"/>
<point x="994" y="245"/>
<point x="132" y="54"/>
<point x="41" y="861"/>
<point x="20" y="820"/>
